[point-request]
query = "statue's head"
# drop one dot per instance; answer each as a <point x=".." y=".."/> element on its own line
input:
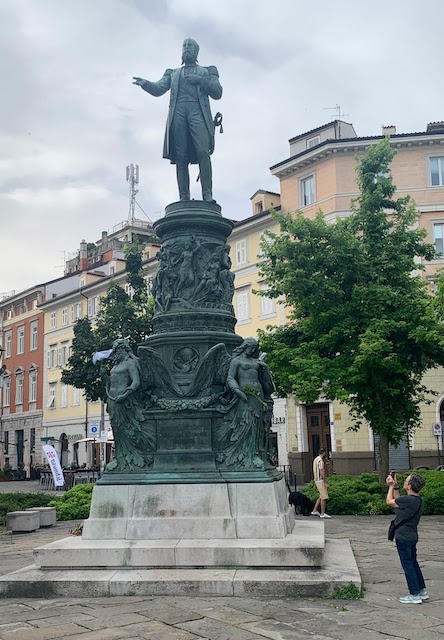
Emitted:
<point x="120" y="348"/>
<point x="190" y="50"/>
<point x="250" y="346"/>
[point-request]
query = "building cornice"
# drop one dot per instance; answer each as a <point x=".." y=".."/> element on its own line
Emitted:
<point x="349" y="146"/>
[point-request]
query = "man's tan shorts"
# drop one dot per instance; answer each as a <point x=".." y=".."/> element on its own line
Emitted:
<point x="320" y="486"/>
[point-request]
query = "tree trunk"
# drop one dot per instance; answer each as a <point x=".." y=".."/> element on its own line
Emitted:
<point x="383" y="458"/>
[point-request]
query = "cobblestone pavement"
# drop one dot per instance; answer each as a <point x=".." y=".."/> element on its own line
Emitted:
<point x="377" y="616"/>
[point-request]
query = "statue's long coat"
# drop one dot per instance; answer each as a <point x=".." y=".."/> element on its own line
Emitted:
<point x="170" y="80"/>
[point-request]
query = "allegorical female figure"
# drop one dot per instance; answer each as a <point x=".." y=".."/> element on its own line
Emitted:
<point x="243" y="437"/>
<point x="131" y="437"/>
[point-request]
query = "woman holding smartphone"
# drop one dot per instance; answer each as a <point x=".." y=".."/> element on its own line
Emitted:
<point x="408" y="510"/>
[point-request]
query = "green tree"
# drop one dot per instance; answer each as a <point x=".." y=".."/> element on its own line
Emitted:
<point x="120" y="316"/>
<point x="363" y="328"/>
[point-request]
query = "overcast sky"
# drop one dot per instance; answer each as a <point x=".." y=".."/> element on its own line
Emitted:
<point x="71" y="120"/>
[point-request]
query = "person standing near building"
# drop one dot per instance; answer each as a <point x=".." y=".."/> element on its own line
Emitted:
<point x="408" y="510"/>
<point x="321" y="485"/>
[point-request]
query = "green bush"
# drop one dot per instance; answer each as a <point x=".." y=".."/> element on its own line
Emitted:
<point x="75" y="503"/>
<point x="364" y="495"/>
<point x="20" y="501"/>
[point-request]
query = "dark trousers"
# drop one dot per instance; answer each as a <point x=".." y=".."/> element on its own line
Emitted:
<point x="189" y="128"/>
<point x="413" y="574"/>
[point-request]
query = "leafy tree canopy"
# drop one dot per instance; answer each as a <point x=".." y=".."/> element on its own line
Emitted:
<point x="362" y="327"/>
<point x="120" y="316"/>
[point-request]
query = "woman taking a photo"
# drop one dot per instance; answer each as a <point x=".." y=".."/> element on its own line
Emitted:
<point x="407" y="515"/>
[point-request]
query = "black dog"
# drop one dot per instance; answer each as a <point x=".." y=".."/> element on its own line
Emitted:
<point x="302" y="504"/>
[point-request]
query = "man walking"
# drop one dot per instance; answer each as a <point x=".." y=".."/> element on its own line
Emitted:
<point x="321" y="485"/>
<point x="189" y="135"/>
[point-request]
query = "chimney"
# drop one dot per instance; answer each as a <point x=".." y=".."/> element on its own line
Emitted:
<point x="389" y="130"/>
<point x="435" y="126"/>
<point x="83" y="256"/>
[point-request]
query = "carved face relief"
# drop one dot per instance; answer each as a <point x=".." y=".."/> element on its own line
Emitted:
<point x="185" y="360"/>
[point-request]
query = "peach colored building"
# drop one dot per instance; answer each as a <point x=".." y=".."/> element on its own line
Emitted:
<point x="319" y="174"/>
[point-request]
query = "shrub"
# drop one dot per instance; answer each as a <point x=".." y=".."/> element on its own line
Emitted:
<point x="75" y="503"/>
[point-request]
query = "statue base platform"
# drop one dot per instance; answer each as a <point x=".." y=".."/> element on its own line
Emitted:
<point x="204" y="540"/>
<point x="338" y="569"/>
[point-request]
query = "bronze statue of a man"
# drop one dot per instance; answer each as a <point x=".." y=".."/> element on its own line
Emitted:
<point x="189" y="135"/>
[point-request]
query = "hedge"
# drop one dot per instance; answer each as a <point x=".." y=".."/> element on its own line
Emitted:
<point x="364" y="496"/>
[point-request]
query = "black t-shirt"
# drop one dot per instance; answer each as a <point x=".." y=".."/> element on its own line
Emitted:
<point x="407" y="506"/>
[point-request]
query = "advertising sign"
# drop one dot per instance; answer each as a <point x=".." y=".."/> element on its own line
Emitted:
<point x="54" y="463"/>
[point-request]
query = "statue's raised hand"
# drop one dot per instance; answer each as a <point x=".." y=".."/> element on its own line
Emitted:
<point x="138" y="81"/>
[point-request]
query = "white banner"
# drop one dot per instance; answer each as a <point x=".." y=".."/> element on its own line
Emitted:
<point x="54" y="463"/>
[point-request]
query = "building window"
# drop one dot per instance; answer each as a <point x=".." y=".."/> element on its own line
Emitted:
<point x="20" y="340"/>
<point x="437" y="171"/>
<point x="129" y="291"/>
<point x="75" y="397"/>
<point x="64" y="395"/>
<point x="6" y="442"/>
<point x="34" y="336"/>
<point x="76" y="312"/>
<point x="268" y="305"/>
<point x="312" y="142"/>
<point x="82" y="283"/>
<point x="32" y="440"/>
<point x="243" y="304"/>
<point x="19" y="388"/>
<point x="52" y="396"/>
<point x="264" y="238"/>
<point x="64" y="354"/>
<point x="6" y="391"/>
<point x="52" y="356"/>
<point x="93" y="306"/>
<point x="307" y="191"/>
<point x="8" y="344"/>
<point x="438" y="234"/>
<point x="64" y="317"/>
<point x="241" y="251"/>
<point x="259" y="207"/>
<point x="33" y="385"/>
<point x="53" y="319"/>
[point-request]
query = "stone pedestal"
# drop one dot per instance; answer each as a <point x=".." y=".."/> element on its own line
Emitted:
<point x="190" y="511"/>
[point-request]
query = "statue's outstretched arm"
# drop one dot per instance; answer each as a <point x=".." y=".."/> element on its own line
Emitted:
<point x="155" y="88"/>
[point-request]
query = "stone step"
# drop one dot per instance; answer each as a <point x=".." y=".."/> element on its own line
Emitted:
<point x="302" y="548"/>
<point x="338" y="569"/>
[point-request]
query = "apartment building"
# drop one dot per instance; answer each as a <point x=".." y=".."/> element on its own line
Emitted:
<point x="320" y="174"/>
<point x="21" y="337"/>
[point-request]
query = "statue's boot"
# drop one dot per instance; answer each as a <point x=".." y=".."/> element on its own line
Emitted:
<point x="183" y="181"/>
<point x="206" y="178"/>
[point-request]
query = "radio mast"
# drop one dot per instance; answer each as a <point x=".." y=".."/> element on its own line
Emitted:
<point x="132" y="178"/>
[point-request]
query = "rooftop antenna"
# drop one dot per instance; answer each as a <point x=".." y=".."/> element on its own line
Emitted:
<point x="337" y="116"/>
<point x="132" y="178"/>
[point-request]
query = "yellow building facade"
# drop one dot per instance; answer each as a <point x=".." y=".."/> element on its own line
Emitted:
<point x="320" y="174"/>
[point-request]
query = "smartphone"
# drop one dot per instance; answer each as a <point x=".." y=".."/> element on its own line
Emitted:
<point x="393" y="473"/>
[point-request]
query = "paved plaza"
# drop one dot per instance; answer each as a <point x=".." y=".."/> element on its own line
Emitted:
<point x="377" y="616"/>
